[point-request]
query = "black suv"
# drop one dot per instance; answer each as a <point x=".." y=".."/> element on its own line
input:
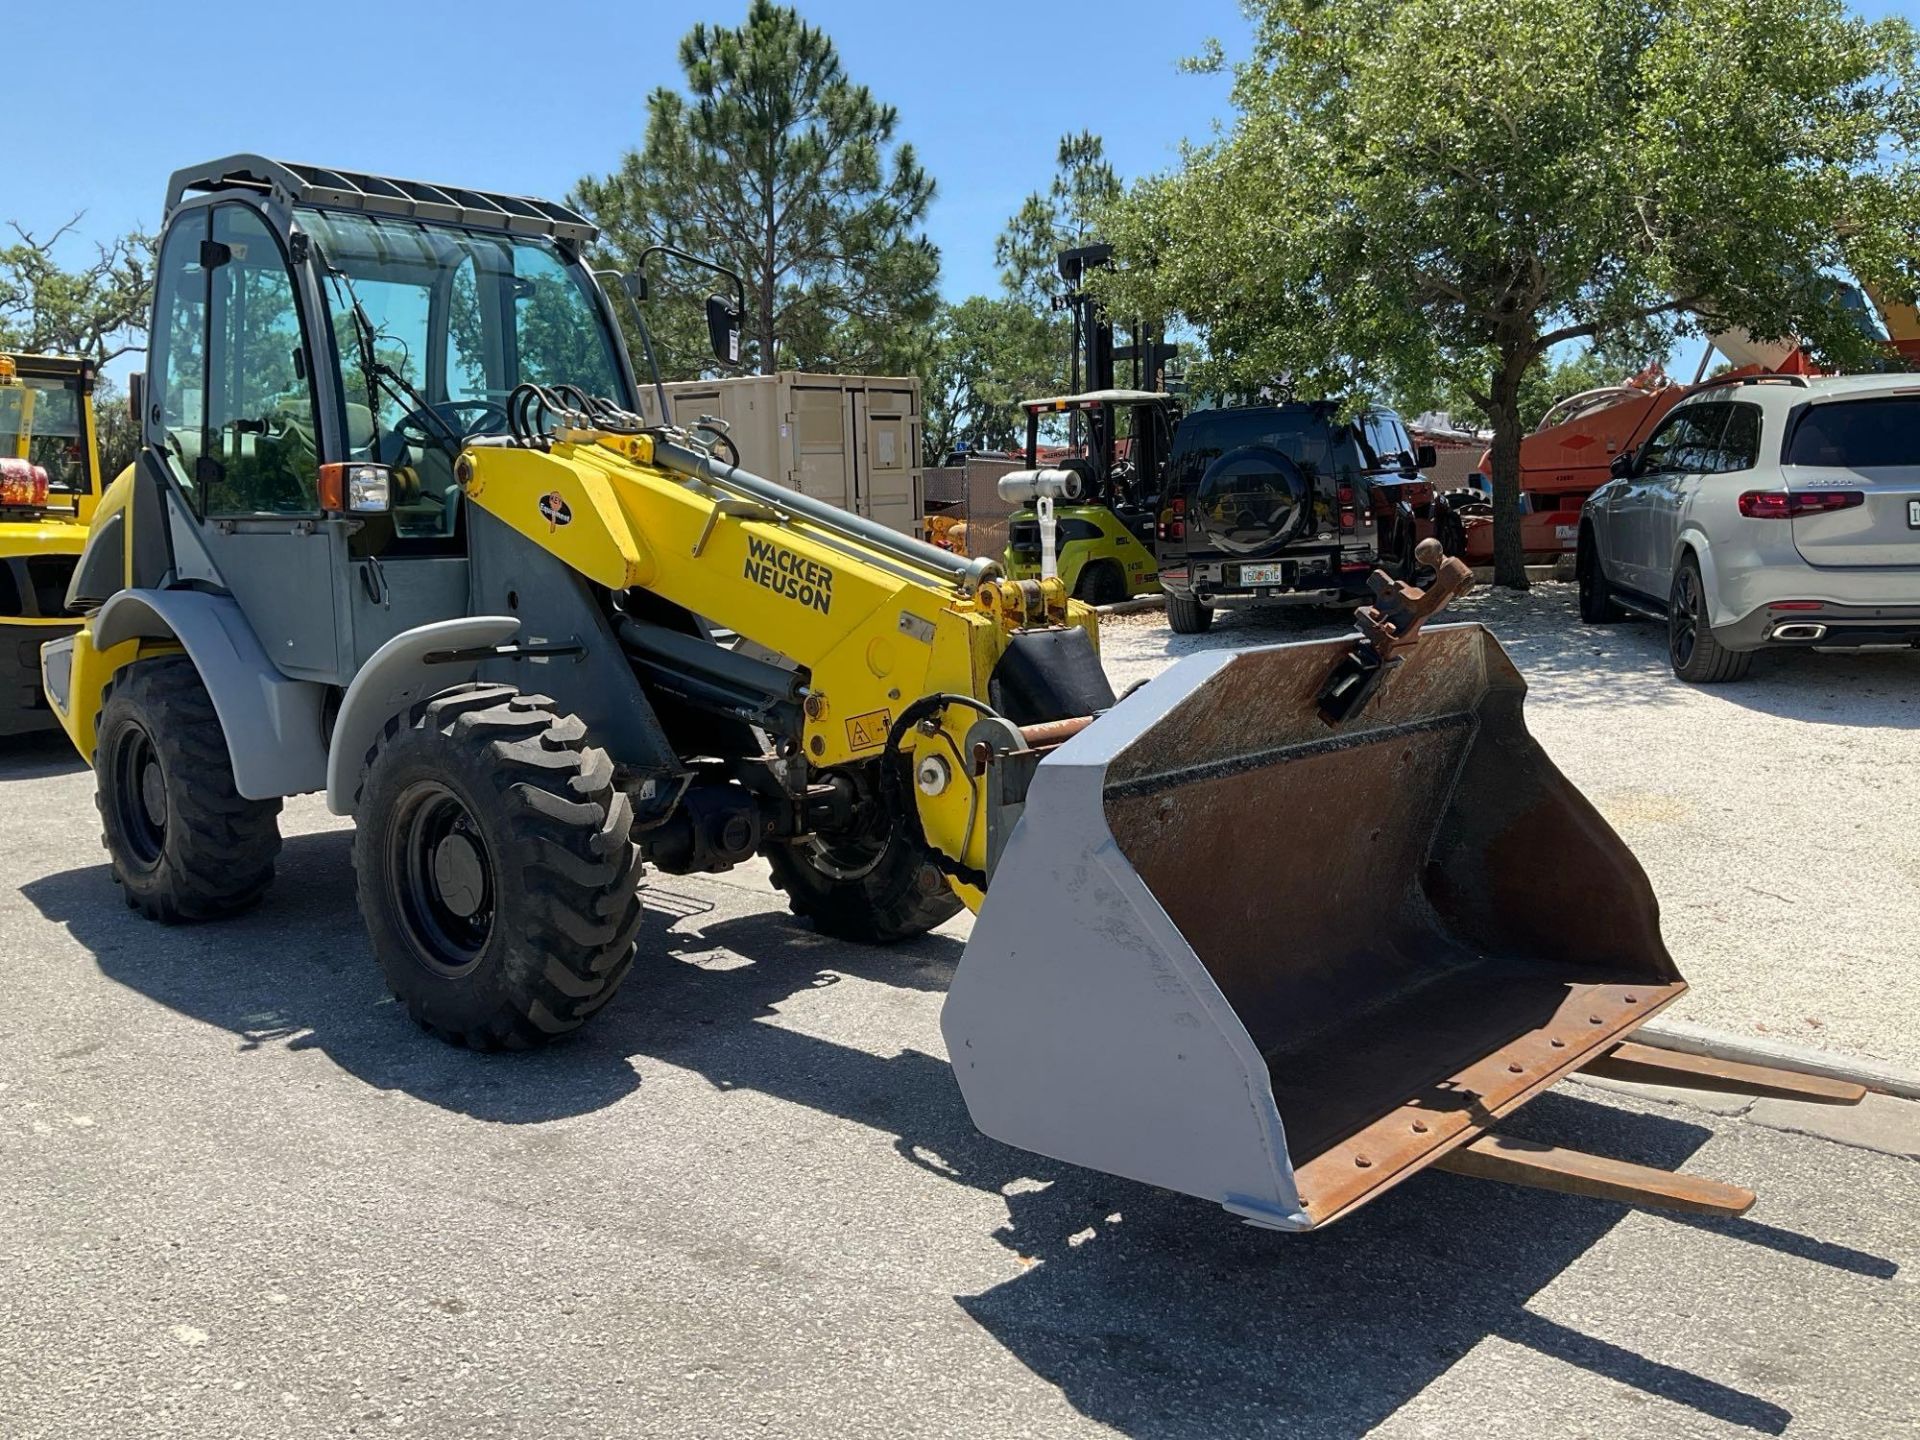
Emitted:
<point x="1287" y="504"/>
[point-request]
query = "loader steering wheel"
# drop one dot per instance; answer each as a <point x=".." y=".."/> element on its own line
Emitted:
<point x="490" y="418"/>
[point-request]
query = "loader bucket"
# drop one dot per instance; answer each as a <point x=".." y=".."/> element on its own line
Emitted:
<point x="1237" y="952"/>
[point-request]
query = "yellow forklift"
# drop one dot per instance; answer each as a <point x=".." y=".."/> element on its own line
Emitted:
<point x="49" y="485"/>
<point x="1105" y="492"/>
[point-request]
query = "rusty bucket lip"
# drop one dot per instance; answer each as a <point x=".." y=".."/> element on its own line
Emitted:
<point x="1370" y="1162"/>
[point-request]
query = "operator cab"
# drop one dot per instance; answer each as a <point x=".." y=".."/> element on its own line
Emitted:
<point x="325" y="343"/>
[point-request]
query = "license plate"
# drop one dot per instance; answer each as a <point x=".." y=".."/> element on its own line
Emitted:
<point x="1275" y="574"/>
<point x="1913" y="514"/>
<point x="1566" y="532"/>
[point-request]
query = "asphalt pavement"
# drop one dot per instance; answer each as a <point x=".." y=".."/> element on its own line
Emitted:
<point x="240" y="1194"/>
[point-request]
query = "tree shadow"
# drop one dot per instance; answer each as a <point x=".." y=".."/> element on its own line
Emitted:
<point x="1153" y="1313"/>
<point x="38" y="755"/>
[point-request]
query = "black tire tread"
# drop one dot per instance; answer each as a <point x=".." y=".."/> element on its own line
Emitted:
<point x="1711" y="662"/>
<point x="1596" y="604"/>
<point x="221" y="846"/>
<point x="569" y="867"/>
<point x="903" y="896"/>
<point x="1188" y="616"/>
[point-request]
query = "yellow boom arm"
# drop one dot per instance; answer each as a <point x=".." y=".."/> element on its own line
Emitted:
<point x="875" y="629"/>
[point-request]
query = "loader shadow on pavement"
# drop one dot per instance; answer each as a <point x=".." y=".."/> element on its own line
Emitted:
<point x="37" y="756"/>
<point x="1163" y="1316"/>
<point x="1153" y="1313"/>
<point x="290" y="973"/>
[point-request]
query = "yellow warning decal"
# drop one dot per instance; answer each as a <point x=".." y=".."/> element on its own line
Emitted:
<point x="869" y="731"/>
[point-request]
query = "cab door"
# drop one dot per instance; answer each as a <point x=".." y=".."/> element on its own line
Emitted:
<point x="233" y="414"/>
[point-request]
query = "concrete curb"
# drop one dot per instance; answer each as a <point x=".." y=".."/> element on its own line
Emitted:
<point x="1133" y="606"/>
<point x="1694" y="1039"/>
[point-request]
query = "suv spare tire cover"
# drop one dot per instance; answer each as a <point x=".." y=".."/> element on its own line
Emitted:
<point x="1253" y="499"/>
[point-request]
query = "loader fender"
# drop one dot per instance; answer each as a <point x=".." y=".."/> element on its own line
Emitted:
<point x="397" y="676"/>
<point x="272" y="724"/>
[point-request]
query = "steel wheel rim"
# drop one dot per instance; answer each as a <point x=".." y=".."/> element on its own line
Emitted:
<point x="1686" y="620"/>
<point x="139" y="795"/>
<point x="440" y="876"/>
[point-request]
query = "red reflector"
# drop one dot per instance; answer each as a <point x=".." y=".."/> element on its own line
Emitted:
<point x="1362" y="568"/>
<point x="1796" y="605"/>
<point x="1786" y="504"/>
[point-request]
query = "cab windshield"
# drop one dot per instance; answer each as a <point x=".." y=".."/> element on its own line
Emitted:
<point x="461" y="317"/>
<point x="57" y="438"/>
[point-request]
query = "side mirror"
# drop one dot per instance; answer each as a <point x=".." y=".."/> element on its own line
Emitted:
<point x="1425" y="457"/>
<point x="1621" y="466"/>
<point x="137" y="398"/>
<point x="723" y="330"/>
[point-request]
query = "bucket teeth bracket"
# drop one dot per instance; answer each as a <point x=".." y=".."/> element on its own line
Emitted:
<point x="1393" y="620"/>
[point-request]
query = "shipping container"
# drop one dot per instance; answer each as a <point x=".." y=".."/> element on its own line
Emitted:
<point x="850" y="440"/>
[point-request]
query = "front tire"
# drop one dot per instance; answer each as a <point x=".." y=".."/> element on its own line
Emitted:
<point x="1188" y="616"/>
<point x="851" y="893"/>
<point x="184" y="843"/>
<point x="1596" y="595"/>
<point x="1696" y="656"/>
<point x="495" y="868"/>
<point x="1101" y="583"/>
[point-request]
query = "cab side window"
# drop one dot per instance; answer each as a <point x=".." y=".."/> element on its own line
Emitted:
<point x="261" y="454"/>
<point x="177" y="373"/>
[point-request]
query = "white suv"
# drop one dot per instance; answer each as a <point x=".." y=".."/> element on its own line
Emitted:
<point x="1766" y="512"/>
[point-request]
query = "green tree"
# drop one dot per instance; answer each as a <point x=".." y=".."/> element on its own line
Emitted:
<point x="115" y="432"/>
<point x="1586" y="168"/>
<point x="988" y="355"/>
<point x="1028" y="250"/>
<point x="1545" y="386"/>
<point x="778" y="165"/>
<point x="97" y="311"/>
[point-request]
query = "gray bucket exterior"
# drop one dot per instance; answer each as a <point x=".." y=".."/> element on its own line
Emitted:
<point x="1083" y="1025"/>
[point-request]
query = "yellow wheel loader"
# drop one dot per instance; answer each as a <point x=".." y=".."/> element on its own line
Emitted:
<point x="397" y="534"/>
<point x="49" y="485"/>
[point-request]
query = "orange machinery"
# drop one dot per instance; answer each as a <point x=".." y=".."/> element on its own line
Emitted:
<point x="1569" y="454"/>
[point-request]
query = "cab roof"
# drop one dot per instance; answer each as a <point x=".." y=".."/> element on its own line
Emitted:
<point x="297" y="184"/>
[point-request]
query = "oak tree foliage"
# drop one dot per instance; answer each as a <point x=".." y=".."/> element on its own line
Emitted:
<point x="1423" y="192"/>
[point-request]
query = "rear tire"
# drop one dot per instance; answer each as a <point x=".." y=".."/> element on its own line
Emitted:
<point x="1102" y="582"/>
<point x="495" y="870"/>
<point x="901" y="896"/>
<point x="1188" y="616"/>
<point x="1696" y="656"/>
<point x="1596" y="595"/>
<point x="183" y="841"/>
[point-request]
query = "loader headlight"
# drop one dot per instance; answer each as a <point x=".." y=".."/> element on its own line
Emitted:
<point x="356" y="488"/>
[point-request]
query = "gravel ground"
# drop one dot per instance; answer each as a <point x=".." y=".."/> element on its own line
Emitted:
<point x="1778" y="818"/>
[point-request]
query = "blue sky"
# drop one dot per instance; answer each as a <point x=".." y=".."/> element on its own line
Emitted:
<point x="527" y="99"/>
<point x="432" y="93"/>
